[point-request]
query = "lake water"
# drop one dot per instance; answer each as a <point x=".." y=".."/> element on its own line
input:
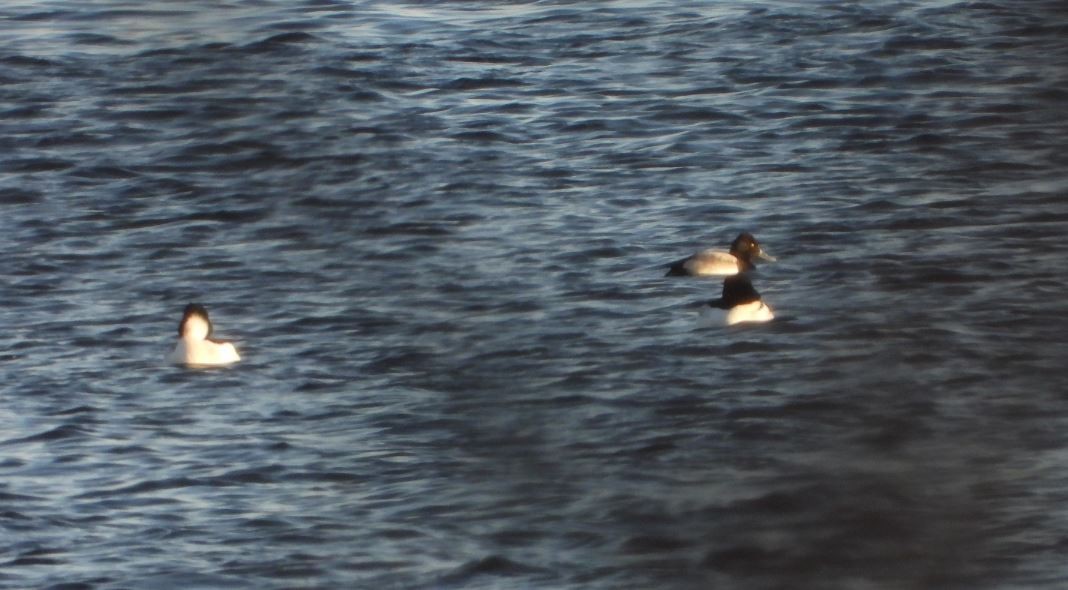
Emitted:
<point x="436" y="232"/>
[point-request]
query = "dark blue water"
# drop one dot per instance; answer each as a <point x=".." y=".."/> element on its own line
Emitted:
<point x="436" y="231"/>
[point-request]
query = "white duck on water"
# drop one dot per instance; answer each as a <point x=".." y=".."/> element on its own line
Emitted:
<point x="195" y="344"/>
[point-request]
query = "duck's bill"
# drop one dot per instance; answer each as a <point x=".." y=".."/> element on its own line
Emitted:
<point x="764" y="255"/>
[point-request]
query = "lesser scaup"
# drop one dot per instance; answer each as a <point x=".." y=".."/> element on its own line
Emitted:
<point x="195" y="345"/>
<point x="739" y="303"/>
<point x="718" y="263"/>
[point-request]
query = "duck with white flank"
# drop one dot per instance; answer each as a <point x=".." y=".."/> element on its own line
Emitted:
<point x="740" y="303"/>
<point x="717" y="263"/>
<point x="195" y="344"/>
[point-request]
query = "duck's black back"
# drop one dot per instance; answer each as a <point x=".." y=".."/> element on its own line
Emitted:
<point x="737" y="290"/>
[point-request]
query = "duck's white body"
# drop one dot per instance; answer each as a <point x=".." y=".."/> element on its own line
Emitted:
<point x="204" y="353"/>
<point x="195" y="346"/>
<point x="755" y="311"/>
<point x="717" y="263"/>
<point x="712" y="263"/>
<point x="745" y="313"/>
<point x="739" y="304"/>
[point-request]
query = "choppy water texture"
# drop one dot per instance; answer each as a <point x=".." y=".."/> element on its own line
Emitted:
<point x="436" y="231"/>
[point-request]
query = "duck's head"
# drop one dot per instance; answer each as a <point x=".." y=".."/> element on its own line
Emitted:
<point x="746" y="248"/>
<point x="195" y="324"/>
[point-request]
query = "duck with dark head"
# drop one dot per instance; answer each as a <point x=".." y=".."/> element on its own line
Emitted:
<point x="717" y="263"/>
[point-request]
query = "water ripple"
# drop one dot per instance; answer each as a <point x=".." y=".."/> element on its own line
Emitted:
<point x="437" y="233"/>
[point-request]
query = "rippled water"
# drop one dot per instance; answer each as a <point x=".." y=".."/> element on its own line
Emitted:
<point x="436" y="232"/>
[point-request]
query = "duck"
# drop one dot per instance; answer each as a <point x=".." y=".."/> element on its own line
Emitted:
<point x="195" y="345"/>
<point x="718" y="263"/>
<point x="739" y="303"/>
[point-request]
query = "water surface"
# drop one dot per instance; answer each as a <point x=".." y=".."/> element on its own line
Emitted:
<point x="437" y="233"/>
